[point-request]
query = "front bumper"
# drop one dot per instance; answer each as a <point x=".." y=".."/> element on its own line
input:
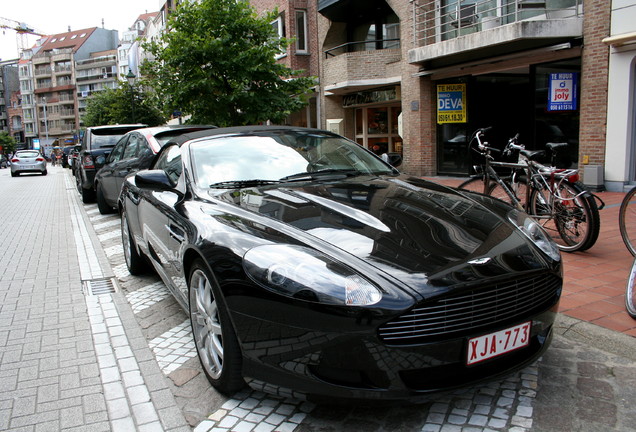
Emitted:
<point x="321" y="366"/>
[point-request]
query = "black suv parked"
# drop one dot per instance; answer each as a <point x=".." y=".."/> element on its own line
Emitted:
<point x="97" y="142"/>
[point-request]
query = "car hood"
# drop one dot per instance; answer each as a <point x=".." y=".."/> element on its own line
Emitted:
<point x="415" y="231"/>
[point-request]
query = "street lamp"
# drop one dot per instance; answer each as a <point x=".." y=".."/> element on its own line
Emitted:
<point x="46" y="123"/>
<point x="130" y="77"/>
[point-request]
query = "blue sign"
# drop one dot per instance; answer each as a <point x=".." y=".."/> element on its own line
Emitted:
<point x="562" y="94"/>
<point x="451" y="103"/>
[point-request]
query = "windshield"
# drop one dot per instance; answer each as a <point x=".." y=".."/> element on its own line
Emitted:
<point x="279" y="155"/>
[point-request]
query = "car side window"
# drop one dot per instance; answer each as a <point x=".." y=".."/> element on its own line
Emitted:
<point x="117" y="152"/>
<point x="132" y="147"/>
<point x="170" y="162"/>
<point x="144" y="149"/>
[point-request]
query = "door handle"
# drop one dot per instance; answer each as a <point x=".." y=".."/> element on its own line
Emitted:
<point x="175" y="235"/>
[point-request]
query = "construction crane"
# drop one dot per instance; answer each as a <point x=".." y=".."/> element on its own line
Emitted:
<point x="22" y="31"/>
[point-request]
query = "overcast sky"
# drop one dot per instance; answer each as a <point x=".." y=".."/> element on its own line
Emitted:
<point x="52" y="17"/>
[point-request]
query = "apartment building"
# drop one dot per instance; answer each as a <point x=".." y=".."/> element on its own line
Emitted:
<point x="29" y="112"/>
<point x="8" y="85"/>
<point x="94" y="74"/>
<point x="128" y="52"/>
<point x="418" y="77"/>
<point x="55" y="77"/>
<point x="14" y="115"/>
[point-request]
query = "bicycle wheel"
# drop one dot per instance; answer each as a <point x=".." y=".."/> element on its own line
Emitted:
<point x="497" y="191"/>
<point x="474" y="184"/>
<point x="627" y="221"/>
<point x="517" y="188"/>
<point x="571" y="218"/>
<point x="630" y="292"/>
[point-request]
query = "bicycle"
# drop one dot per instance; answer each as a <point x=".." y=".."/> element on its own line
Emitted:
<point x="487" y="181"/>
<point x="627" y="226"/>
<point x="553" y="196"/>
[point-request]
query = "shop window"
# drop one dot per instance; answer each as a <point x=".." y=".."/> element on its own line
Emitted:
<point x="377" y="129"/>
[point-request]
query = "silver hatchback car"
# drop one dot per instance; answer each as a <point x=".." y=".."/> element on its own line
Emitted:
<point x="27" y="161"/>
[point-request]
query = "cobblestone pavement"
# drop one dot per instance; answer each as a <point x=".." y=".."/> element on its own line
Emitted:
<point x="144" y="372"/>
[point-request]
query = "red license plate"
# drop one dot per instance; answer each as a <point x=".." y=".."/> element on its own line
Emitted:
<point x="491" y="345"/>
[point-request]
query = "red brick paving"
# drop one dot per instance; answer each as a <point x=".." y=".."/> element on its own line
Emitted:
<point x="594" y="280"/>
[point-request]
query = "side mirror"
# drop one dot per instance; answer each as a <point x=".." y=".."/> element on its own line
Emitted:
<point x="153" y="179"/>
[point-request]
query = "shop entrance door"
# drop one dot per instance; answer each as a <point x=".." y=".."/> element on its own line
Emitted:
<point x="501" y="101"/>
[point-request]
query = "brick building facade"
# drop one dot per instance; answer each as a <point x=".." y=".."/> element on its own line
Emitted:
<point x="501" y="55"/>
<point x="297" y="20"/>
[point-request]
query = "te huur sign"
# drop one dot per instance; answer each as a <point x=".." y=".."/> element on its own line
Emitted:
<point x="562" y="94"/>
<point x="451" y="103"/>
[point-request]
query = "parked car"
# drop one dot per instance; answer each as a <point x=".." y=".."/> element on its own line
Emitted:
<point x="27" y="161"/>
<point x="96" y="143"/>
<point x="4" y="162"/>
<point x="74" y="158"/>
<point x="133" y="151"/>
<point x="310" y="265"/>
<point x="66" y="156"/>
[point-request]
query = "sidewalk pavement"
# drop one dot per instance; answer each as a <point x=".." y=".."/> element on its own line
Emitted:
<point x="594" y="285"/>
<point x="69" y="359"/>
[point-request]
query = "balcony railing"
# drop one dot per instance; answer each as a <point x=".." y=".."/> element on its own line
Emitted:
<point x="43" y="71"/>
<point x="435" y="21"/>
<point x="367" y="45"/>
<point x="96" y="76"/>
<point x="103" y="59"/>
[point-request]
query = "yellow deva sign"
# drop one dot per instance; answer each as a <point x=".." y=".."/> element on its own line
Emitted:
<point x="451" y="103"/>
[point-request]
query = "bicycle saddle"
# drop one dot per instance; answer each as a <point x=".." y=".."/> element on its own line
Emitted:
<point x="553" y="146"/>
<point x="533" y="154"/>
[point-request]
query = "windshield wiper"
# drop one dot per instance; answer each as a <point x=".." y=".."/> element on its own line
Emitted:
<point x="329" y="172"/>
<point x="242" y="183"/>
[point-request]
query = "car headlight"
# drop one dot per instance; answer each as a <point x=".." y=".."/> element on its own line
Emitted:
<point x="535" y="232"/>
<point x="303" y="273"/>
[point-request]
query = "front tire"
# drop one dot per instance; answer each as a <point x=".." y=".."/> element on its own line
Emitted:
<point x="630" y="292"/>
<point x="134" y="261"/>
<point x="214" y="336"/>
<point x="627" y="221"/>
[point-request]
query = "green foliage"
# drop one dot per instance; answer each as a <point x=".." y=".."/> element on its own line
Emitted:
<point x="7" y="142"/>
<point x="218" y="64"/>
<point x="126" y="104"/>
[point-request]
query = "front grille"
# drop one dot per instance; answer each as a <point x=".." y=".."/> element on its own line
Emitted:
<point x="471" y="309"/>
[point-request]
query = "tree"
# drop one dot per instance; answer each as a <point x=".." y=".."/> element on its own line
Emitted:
<point x="218" y="63"/>
<point x="7" y="143"/>
<point x="126" y="104"/>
